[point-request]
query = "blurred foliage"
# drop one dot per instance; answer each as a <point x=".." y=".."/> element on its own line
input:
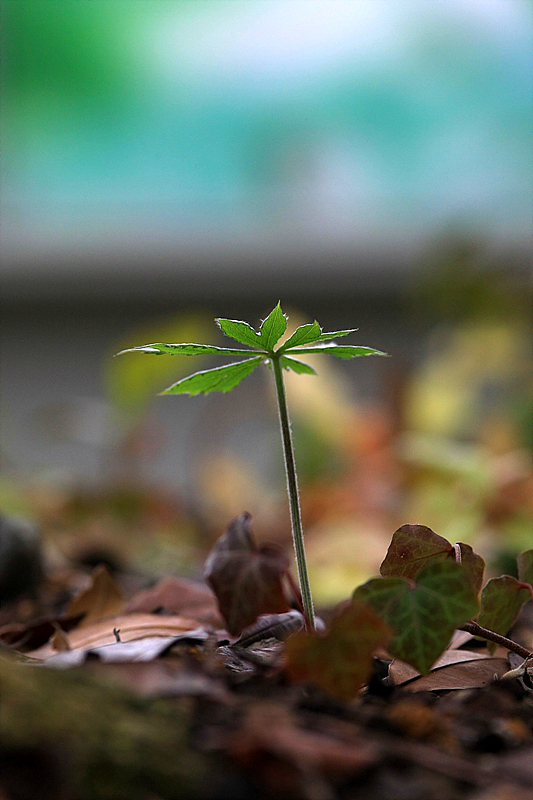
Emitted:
<point x="458" y="282"/>
<point x="132" y="380"/>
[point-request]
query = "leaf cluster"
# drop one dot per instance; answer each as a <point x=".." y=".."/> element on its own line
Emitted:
<point x="427" y="589"/>
<point x="261" y="347"/>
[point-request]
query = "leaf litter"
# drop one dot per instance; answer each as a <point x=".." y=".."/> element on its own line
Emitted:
<point x="271" y="710"/>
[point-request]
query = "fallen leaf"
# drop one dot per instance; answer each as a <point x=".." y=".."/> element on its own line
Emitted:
<point x="339" y="661"/>
<point x="269" y="728"/>
<point x="129" y="628"/>
<point x="146" y="649"/>
<point x="454" y="669"/>
<point x="30" y="636"/>
<point x="101" y="599"/>
<point x="246" y="580"/>
<point x="173" y="595"/>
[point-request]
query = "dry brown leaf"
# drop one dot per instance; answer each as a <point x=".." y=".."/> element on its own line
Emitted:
<point x="100" y="600"/>
<point x="129" y="627"/>
<point x="455" y="669"/>
<point x="173" y="595"/>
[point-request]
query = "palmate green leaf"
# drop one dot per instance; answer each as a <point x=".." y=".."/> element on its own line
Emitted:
<point x="184" y="350"/>
<point x="423" y="615"/>
<point x="309" y="333"/>
<point x="305" y="334"/>
<point x="272" y="328"/>
<point x="501" y="601"/>
<point x="240" y="331"/>
<point x="335" y="334"/>
<point x="297" y="366"/>
<point x="339" y="350"/>
<point x="219" y="379"/>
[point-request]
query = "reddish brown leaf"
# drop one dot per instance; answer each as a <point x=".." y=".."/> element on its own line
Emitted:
<point x="246" y="580"/>
<point x="339" y="661"/>
<point x="474" y="565"/>
<point x="100" y="600"/>
<point x="413" y="547"/>
<point x="178" y="596"/>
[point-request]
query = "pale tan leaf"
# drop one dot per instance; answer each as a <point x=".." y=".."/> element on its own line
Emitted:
<point x="100" y="600"/>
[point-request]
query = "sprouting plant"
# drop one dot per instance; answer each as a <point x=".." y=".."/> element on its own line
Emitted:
<point x="306" y="339"/>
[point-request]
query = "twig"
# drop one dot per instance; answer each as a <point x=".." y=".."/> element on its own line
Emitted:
<point x="476" y="630"/>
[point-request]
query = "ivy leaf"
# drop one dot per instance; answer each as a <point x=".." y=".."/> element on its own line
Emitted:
<point x="341" y="660"/>
<point x="501" y="600"/>
<point x="219" y="379"/>
<point x="423" y="615"/>
<point x="474" y="565"/>
<point x="413" y="547"/>
<point x="185" y="350"/>
<point x="416" y="546"/>
<point x="297" y="366"/>
<point x="305" y="334"/>
<point x="525" y="566"/>
<point x="272" y="328"/>
<point x="240" y="331"/>
<point x="339" y="350"/>
<point x="246" y="579"/>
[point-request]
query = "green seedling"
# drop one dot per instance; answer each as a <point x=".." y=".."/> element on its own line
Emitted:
<point x="263" y="347"/>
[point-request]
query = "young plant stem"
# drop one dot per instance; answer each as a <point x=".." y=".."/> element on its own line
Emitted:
<point x="294" y="497"/>
<point x="476" y="630"/>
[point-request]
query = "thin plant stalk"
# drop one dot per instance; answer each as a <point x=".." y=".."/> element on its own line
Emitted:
<point x="294" y="497"/>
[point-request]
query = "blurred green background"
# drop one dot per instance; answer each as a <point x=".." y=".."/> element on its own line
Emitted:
<point x="369" y="163"/>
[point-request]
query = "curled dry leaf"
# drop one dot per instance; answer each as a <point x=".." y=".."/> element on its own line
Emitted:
<point x="247" y="580"/>
<point x="100" y="600"/>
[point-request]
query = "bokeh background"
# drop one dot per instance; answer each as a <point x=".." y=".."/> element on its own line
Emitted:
<point x="369" y="163"/>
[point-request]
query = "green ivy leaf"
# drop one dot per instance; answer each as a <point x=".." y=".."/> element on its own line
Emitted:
<point x="340" y="661"/>
<point x="219" y="379"/>
<point x="339" y="350"/>
<point x="297" y="366"/>
<point x="185" y="350"/>
<point x="501" y="601"/>
<point x="305" y="334"/>
<point x="272" y="328"/>
<point x="424" y="614"/>
<point x="240" y="331"/>
<point x="525" y="566"/>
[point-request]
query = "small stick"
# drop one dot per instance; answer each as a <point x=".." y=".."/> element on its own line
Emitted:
<point x="491" y="636"/>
